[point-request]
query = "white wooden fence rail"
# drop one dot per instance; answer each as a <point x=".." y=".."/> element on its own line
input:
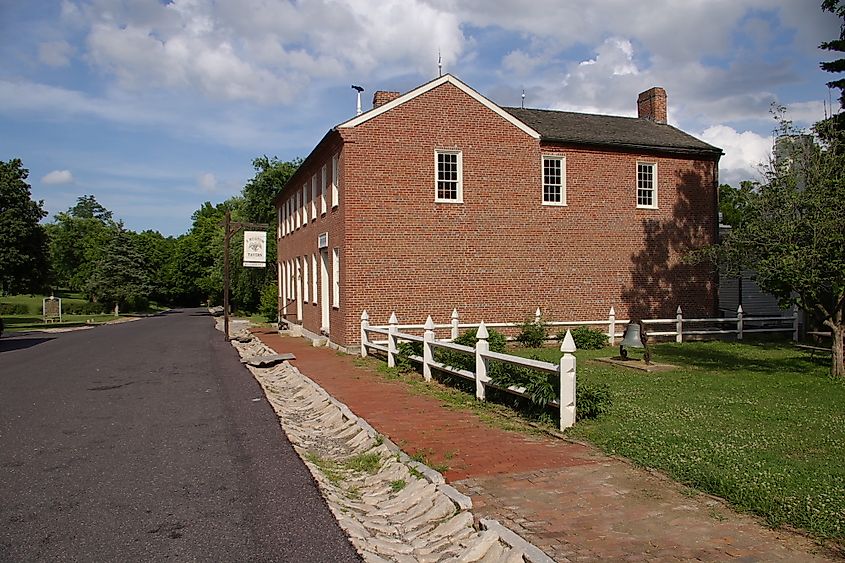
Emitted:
<point x="564" y="369"/>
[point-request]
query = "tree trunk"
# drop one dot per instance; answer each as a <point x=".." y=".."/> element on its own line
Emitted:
<point x="837" y="368"/>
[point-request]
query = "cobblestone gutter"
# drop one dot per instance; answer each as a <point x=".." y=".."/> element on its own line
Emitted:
<point x="392" y="507"/>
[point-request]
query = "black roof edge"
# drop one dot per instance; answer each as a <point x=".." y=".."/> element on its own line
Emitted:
<point x="715" y="151"/>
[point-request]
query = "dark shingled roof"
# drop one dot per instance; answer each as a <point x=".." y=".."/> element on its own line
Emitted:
<point x="609" y="130"/>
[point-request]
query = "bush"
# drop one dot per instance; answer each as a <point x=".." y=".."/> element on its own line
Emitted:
<point x="135" y="304"/>
<point x="404" y="351"/>
<point x="587" y="338"/>
<point x="269" y="305"/>
<point x="532" y="334"/>
<point x="14" y="309"/>
<point x="592" y="400"/>
<point x="459" y="360"/>
<point x="84" y="308"/>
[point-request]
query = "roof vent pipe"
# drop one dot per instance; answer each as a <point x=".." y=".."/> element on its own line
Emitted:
<point x="358" y="104"/>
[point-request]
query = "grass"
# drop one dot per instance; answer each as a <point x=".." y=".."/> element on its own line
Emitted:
<point x="761" y="425"/>
<point x="15" y="323"/>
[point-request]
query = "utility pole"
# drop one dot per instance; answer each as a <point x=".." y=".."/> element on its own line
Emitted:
<point x="230" y="228"/>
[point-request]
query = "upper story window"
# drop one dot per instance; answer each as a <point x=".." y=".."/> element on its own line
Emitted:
<point x="554" y="180"/>
<point x="449" y="182"/>
<point x="314" y="197"/>
<point x="335" y="181"/>
<point x="647" y="185"/>
<point x="323" y="191"/>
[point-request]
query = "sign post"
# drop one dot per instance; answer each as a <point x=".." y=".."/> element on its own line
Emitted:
<point x="230" y="228"/>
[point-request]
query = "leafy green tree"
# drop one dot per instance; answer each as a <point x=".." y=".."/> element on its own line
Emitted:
<point x="120" y="276"/>
<point x="23" y="241"/>
<point x="735" y="202"/>
<point x="793" y="233"/>
<point x="77" y="241"/>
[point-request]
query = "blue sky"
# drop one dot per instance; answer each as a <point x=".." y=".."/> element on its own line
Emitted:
<point x="155" y="107"/>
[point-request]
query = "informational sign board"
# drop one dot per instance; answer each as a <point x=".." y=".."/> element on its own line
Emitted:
<point x="255" y="249"/>
<point x="52" y="309"/>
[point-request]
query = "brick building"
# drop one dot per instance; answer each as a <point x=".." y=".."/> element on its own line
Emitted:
<point x="440" y="199"/>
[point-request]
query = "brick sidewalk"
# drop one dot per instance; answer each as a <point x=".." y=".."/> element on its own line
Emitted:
<point x="570" y="500"/>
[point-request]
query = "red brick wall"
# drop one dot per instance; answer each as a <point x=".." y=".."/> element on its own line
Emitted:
<point x="501" y="254"/>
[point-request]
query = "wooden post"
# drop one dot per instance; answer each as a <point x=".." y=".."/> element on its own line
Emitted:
<point x="611" y="326"/>
<point x="481" y="346"/>
<point x="428" y="353"/>
<point x="391" y="340"/>
<point x="566" y="368"/>
<point x="454" y="323"/>
<point x="795" y="323"/>
<point x="679" y="325"/>
<point x="739" y="323"/>
<point x="537" y="316"/>
<point x="365" y="324"/>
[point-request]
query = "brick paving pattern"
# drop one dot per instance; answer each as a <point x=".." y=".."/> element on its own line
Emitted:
<point x="569" y="499"/>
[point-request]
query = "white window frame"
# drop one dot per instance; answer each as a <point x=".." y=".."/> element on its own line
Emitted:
<point x="305" y="205"/>
<point x="653" y="204"/>
<point x="459" y="196"/>
<point x="305" y="283"/>
<point x="279" y="222"/>
<point x="314" y="278"/>
<point x="335" y="181"/>
<point x="562" y="186"/>
<point x="314" y="197"/>
<point x="288" y="207"/>
<point x="297" y="208"/>
<point x="336" y="277"/>
<point x="323" y="190"/>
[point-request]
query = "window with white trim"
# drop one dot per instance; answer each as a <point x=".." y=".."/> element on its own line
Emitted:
<point x="335" y="181"/>
<point x="305" y="205"/>
<point x="448" y="185"/>
<point x="297" y="207"/>
<point x="554" y="180"/>
<point x="314" y="197"/>
<point x="305" y="284"/>
<point x="279" y="277"/>
<point x="647" y="185"/>
<point x="279" y="222"/>
<point x="336" y="277"/>
<point x="323" y="191"/>
<point x="314" y="277"/>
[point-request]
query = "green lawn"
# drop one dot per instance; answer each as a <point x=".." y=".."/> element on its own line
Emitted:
<point x="15" y="323"/>
<point x="762" y="426"/>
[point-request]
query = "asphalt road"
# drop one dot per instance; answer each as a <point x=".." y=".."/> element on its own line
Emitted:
<point x="148" y="440"/>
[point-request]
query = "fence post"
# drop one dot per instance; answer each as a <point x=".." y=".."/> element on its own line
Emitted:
<point x="537" y="316"/>
<point x="454" y="323"/>
<point x="428" y="356"/>
<point x="566" y="368"/>
<point x="795" y="323"/>
<point x="611" y="326"/>
<point x="679" y="325"/>
<point x="481" y="346"/>
<point x="391" y="340"/>
<point x="365" y="324"/>
<point x="739" y="323"/>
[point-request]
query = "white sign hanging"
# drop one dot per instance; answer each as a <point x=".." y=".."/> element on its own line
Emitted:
<point x="255" y="249"/>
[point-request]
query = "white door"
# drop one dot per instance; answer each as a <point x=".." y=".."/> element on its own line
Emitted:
<point x="324" y="290"/>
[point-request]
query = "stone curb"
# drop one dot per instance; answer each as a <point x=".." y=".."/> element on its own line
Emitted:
<point x="531" y="552"/>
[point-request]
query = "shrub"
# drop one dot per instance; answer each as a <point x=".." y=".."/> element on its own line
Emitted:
<point x="459" y="360"/>
<point x="14" y="309"/>
<point x="269" y="305"/>
<point x="404" y="351"/>
<point x="135" y="304"/>
<point x="587" y="338"/>
<point x="83" y="308"/>
<point x="592" y="400"/>
<point x="532" y="334"/>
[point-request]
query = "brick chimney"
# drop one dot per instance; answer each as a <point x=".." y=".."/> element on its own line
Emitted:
<point x="381" y="97"/>
<point x="651" y="104"/>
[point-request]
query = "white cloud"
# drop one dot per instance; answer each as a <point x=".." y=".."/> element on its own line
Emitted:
<point x="58" y="177"/>
<point x="744" y="152"/>
<point x="207" y="182"/>
<point x="55" y="53"/>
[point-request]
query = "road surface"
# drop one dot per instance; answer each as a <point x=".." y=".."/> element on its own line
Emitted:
<point x="148" y="440"/>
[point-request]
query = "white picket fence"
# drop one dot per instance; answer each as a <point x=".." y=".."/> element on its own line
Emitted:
<point x="564" y="369"/>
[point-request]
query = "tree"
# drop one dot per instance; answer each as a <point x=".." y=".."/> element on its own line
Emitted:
<point x="77" y="239"/>
<point x="734" y="203"/>
<point x="793" y="233"/>
<point x="23" y="241"/>
<point x="120" y="276"/>
<point x="838" y="45"/>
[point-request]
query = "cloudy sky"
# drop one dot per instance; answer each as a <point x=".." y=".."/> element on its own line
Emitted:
<point x="156" y="106"/>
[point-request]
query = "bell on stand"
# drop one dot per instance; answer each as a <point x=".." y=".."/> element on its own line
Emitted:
<point x="634" y="338"/>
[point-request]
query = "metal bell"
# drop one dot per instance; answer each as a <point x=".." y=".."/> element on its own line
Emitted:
<point x="632" y="338"/>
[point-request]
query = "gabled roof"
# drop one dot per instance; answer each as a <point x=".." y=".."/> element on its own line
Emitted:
<point x="446" y="78"/>
<point x="610" y="131"/>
